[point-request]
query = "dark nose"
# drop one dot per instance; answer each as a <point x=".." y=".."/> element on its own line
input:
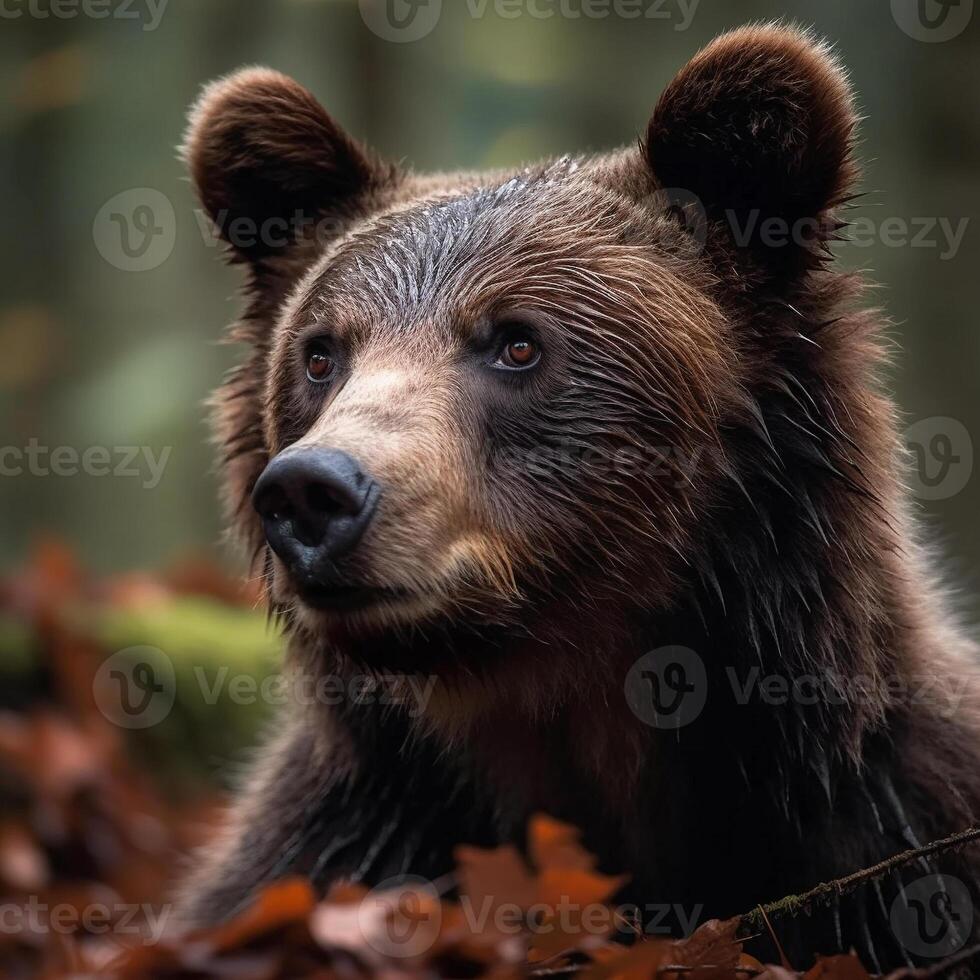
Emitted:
<point x="315" y="505"/>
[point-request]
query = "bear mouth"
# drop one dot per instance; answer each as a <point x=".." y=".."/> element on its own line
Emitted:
<point x="334" y="597"/>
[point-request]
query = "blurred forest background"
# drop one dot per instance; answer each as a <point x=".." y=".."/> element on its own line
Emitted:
<point x="96" y="355"/>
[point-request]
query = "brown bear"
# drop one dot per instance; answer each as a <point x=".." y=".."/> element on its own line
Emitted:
<point x="578" y="443"/>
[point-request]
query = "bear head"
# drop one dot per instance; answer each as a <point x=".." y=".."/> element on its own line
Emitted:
<point x="493" y="401"/>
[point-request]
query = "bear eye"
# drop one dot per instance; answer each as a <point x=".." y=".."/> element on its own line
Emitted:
<point x="319" y="364"/>
<point x="519" y="353"/>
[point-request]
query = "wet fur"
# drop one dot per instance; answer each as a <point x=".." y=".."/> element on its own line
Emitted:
<point x="788" y="548"/>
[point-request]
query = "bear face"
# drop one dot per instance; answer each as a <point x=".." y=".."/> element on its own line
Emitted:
<point x="528" y="381"/>
<point x="501" y="479"/>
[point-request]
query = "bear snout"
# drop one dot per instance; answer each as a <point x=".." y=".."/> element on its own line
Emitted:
<point x="315" y="504"/>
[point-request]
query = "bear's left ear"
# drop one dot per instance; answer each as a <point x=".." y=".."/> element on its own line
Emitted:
<point x="269" y="164"/>
<point x="759" y="126"/>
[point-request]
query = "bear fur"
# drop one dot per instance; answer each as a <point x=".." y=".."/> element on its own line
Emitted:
<point x="772" y="538"/>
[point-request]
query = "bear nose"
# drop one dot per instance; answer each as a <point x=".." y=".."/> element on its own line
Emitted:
<point x="315" y="504"/>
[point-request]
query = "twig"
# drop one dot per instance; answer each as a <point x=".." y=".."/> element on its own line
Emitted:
<point x="754" y="921"/>
<point x="779" y="946"/>
<point x="826" y="891"/>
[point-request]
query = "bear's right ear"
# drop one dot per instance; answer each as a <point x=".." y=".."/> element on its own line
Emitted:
<point x="269" y="164"/>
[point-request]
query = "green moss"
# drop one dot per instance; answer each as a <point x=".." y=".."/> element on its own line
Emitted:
<point x="210" y="644"/>
<point x="16" y="646"/>
<point x="193" y="631"/>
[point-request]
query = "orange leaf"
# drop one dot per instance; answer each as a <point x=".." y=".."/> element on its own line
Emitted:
<point x="640" y="962"/>
<point x="489" y="879"/>
<point x="276" y="906"/>
<point x="844" y="967"/>
<point x="563" y="886"/>
<point x="556" y="845"/>
<point x="712" y="944"/>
